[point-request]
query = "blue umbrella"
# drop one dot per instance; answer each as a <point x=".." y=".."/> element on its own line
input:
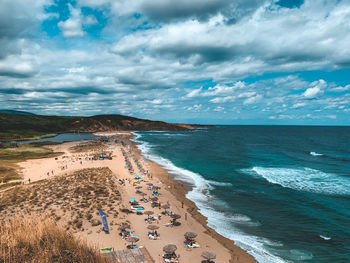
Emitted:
<point x="137" y="176"/>
<point x="132" y="199"/>
<point x="104" y="221"/>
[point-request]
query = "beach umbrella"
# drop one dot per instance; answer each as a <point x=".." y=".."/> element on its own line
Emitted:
<point x="132" y="240"/>
<point x="149" y="184"/>
<point x="124" y="226"/>
<point x="190" y="235"/>
<point x="138" y="187"/>
<point x="148" y="213"/>
<point x="131" y="199"/>
<point x="152" y="227"/>
<point x="154" y="199"/>
<point x="139" y="192"/>
<point x="169" y="248"/>
<point x="209" y="255"/>
<point x="136" y="176"/>
<point x="175" y="216"/>
<point x="165" y="207"/>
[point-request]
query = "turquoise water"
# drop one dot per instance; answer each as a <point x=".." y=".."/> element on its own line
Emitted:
<point x="282" y="193"/>
<point x="65" y="137"/>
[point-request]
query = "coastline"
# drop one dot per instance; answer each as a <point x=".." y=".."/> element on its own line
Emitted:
<point x="179" y="191"/>
<point x="171" y="191"/>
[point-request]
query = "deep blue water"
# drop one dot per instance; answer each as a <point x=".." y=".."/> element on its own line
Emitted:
<point x="65" y="137"/>
<point x="282" y="193"/>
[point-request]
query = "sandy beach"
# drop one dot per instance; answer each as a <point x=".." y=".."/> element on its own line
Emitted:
<point x="126" y="157"/>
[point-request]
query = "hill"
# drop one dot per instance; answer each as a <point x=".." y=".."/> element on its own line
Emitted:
<point x="16" y="112"/>
<point x="20" y="127"/>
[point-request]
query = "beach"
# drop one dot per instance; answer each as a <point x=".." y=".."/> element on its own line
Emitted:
<point x="170" y="193"/>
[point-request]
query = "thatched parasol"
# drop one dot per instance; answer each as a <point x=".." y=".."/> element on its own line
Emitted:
<point x="165" y="207"/>
<point x="154" y="199"/>
<point x="175" y="216"/>
<point x="152" y="227"/>
<point x="132" y="240"/>
<point x="148" y="213"/>
<point x="124" y="226"/>
<point x="209" y="255"/>
<point x="190" y="235"/>
<point x="169" y="248"/>
<point x="138" y="187"/>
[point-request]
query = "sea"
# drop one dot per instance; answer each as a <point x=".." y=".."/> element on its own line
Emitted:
<point x="282" y="193"/>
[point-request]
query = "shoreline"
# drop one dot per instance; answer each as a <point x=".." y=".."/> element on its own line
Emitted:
<point x="180" y="191"/>
<point x="172" y="191"/>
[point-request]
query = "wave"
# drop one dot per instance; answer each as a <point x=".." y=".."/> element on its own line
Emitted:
<point x="220" y="220"/>
<point x="215" y="183"/>
<point x="325" y="238"/>
<point x="304" y="179"/>
<point x="316" y="154"/>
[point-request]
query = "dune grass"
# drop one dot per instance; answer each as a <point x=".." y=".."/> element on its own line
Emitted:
<point x="39" y="240"/>
<point x="72" y="200"/>
<point x="25" y="152"/>
<point x="88" y="146"/>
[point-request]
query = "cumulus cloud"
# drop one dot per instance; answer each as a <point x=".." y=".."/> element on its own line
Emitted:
<point x="315" y="90"/>
<point x="155" y="58"/>
<point x="267" y="40"/>
<point x="72" y="27"/>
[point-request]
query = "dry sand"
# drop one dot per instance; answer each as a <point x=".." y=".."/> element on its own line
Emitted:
<point x="170" y="192"/>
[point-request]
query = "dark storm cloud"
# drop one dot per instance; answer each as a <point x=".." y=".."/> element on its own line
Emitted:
<point x="168" y="10"/>
<point x="13" y="73"/>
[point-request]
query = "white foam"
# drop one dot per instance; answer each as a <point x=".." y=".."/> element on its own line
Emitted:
<point x="221" y="222"/>
<point x="325" y="238"/>
<point x="316" y="154"/>
<point x="215" y="183"/>
<point x="304" y="179"/>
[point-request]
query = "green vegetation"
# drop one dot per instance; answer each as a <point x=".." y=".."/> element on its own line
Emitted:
<point x="8" y="172"/>
<point x="25" y="152"/>
<point x="9" y="157"/>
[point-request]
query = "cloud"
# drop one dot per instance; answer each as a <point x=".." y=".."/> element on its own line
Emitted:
<point x="72" y="27"/>
<point x="157" y="58"/>
<point x="266" y="40"/>
<point x="341" y="89"/>
<point x="17" y="20"/>
<point x="169" y="11"/>
<point x="90" y="20"/>
<point x="17" y="66"/>
<point x="316" y="90"/>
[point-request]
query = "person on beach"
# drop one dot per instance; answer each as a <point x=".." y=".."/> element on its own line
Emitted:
<point x="182" y="204"/>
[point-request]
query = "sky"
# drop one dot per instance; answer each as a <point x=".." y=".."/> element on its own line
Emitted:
<point x="279" y="62"/>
